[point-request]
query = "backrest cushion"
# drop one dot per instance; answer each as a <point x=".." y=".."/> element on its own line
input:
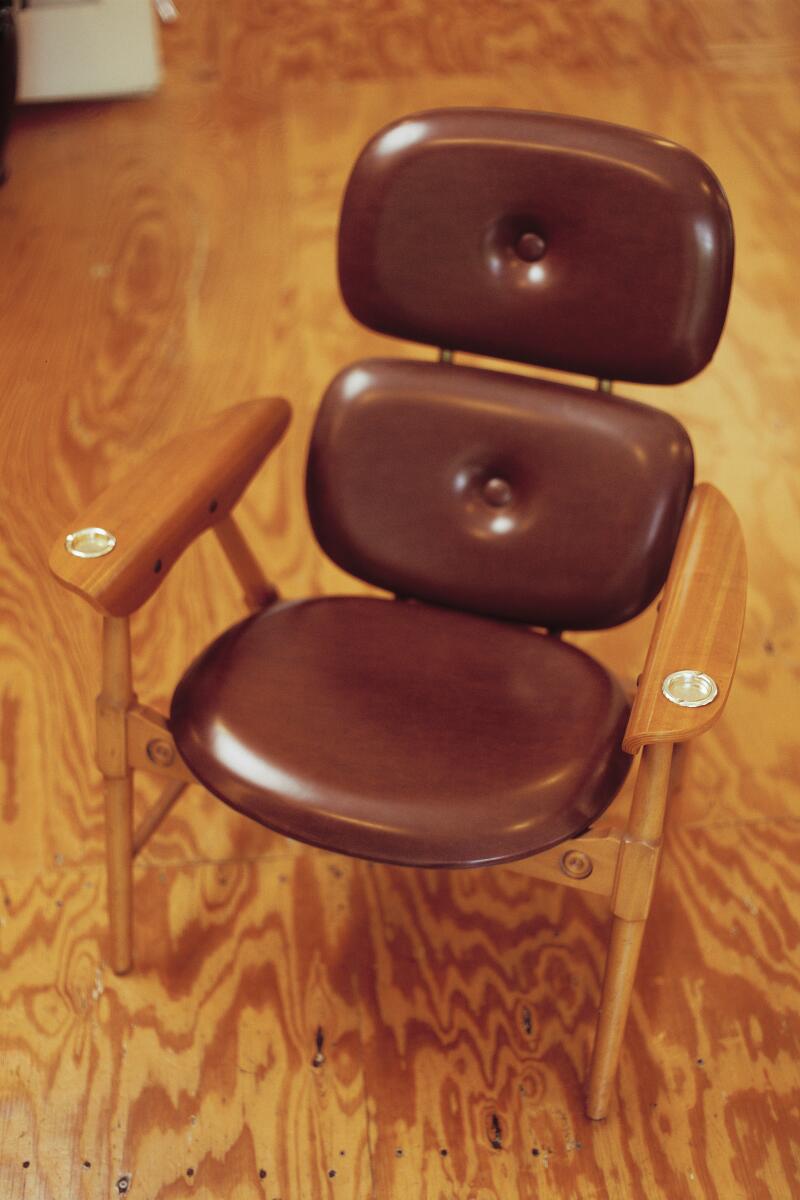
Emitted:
<point x="497" y="494"/>
<point x="539" y="238"/>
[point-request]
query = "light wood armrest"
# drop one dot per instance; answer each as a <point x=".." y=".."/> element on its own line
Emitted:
<point x="158" y="509"/>
<point x="699" y="624"/>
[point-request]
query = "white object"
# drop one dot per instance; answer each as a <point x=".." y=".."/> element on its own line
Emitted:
<point x="80" y="50"/>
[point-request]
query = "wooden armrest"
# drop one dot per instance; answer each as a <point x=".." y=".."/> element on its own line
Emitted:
<point x="699" y="624"/>
<point x="158" y="509"/>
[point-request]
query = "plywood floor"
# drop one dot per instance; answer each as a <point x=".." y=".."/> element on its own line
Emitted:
<point x="300" y="1026"/>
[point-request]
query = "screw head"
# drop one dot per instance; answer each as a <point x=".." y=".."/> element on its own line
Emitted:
<point x="160" y="752"/>
<point x="576" y="864"/>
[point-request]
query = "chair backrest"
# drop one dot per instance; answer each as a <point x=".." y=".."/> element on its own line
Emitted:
<point x="542" y="239"/>
<point x="496" y="494"/>
<point x="538" y="238"/>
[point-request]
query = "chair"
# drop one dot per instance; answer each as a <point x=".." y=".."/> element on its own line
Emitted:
<point x="448" y="724"/>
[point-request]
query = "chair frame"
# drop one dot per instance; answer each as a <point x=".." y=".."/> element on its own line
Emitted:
<point x="200" y="477"/>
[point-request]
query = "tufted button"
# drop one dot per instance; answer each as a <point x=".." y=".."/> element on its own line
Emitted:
<point x="531" y="247"/>
<point x="497" y="492"/>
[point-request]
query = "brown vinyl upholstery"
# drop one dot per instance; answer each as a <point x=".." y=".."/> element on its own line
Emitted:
<point x="401" y="729"/>
<point x="404" y="733"/>
<point x="539" y="238"/>
<point x="513" y="497"/>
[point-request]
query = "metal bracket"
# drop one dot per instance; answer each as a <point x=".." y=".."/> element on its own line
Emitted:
<point x="151" y="746"/>
<point x="588" y="862"/>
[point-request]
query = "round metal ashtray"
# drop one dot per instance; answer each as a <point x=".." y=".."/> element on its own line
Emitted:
<point x="93" y="542"/>
<point x="689" y="689"/>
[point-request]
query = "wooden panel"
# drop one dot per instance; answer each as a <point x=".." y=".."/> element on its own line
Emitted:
<point x="233" y="1049"/>
<point x="484" y="991"/>
<point x="456" y="1013"/>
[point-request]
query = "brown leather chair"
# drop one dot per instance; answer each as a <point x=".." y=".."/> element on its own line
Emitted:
<point x="448" y="725"/>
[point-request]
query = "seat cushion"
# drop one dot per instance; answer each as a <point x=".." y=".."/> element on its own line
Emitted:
<point x="403" y="733"/>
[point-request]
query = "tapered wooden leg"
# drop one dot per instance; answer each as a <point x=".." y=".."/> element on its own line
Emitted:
<point x="112" y="757"/>
<point x="119" y="868"/>
<point x="623" y="956"/>
<point x="633" y="889"/>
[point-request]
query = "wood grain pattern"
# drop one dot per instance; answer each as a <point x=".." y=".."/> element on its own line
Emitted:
<point x="699" y="623"/>
<point x="157" y="510"/>
<point x="163" y="1074"/>
<point x="456" y="1012"/>
<point x="166" y="258"/>
<point x="507" y="1003"/>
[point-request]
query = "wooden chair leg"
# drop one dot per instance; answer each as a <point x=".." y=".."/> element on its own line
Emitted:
<point x="623" y="957"/>
<point x="119" y="870"/>
<point x="633" y="889"/>
<point x="113" y="703"/>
